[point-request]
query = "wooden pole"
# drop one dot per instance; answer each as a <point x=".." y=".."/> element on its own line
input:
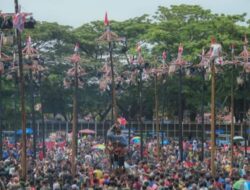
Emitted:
<point x="1" y="116"/>
<point x="140" y="111"/>
<point x="232" y="114"/>
<point x="42" y="114"/>
<point x="180" y="116"/>
<point x="244" y="112"/>
<point x="75" y="119"/>
<point x="213" y="119"/>
<point x="33" y="119"/>
<point x="22" y="101"/>
<point x="114" y="108"/>
<point x="202" y="113"/>
<point x="157" y="118"/>
<point x="232" y="121"/>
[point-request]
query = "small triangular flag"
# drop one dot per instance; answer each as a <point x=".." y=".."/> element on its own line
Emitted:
<point x="164" y="55"/>
<point x="106" y="20"/>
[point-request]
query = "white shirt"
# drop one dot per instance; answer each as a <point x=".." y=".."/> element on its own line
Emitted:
<point x="216" y="50"/>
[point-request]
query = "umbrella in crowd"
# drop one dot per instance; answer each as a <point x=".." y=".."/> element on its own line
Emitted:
<point x="219" y="131"/>
<point x="87" y="132"/>
<point x="122" y="121"/>
<point x="166" y="142"/>
<point x="98" y="147"/>
<point x="28" y="131"/>
<point x="135" y="140"/>
<point x="238" y="184"/>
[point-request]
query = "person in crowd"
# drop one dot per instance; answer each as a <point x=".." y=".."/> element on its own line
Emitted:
<point x="53" y="172"/>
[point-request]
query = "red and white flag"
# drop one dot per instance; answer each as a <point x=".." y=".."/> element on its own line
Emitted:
<point x="164" y="55"/>
<point x="180" y="50"/>
<point x="18" y="21"/>
<point x="106" y="20"/>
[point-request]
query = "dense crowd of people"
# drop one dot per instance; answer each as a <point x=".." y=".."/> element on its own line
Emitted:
<point x="97" y="169"/>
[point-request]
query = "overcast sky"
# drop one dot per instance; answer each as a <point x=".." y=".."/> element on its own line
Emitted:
<point x="78" y="12"/>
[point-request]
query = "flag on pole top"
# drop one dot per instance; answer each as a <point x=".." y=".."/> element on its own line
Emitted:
<point x="180" y="49"/>
<point x="106" y="20"/>
<point x="18" y="21"/>
<point x="164" y="55"/>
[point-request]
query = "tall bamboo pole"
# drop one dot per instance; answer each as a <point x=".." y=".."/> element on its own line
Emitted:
<point x="202" y="113"/>
<point x="114" y="106"/>
<point x="42" y="114"/>
<point x="140" y="111"/>
<point x="157" y="118"/>
<point x="22" y="101"/>
<point x="244" y="113"/>
<point x="232" y="114"/>
<point x="110" y="37"/>
<point x="75" y="119"/>
<point x="245" y="89"/>
<point x="180" y="115"/>
<point x="1" y="116"/>
<point x="33" y="120"/>
<point x="213" y="119"/>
